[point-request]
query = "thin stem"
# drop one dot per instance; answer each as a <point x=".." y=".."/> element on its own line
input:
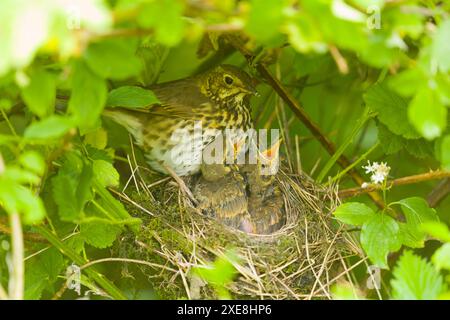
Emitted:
<point x="362" y="120"/>
<point x="16" y="282"/>
<point x="355" y="163"/>
<point x="11" y="127"/>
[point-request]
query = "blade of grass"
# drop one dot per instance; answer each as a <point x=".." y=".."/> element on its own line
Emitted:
<point x="362" y="120"/>
<point x="355" y="163"/>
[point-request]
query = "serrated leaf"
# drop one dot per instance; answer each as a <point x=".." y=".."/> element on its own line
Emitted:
<point x="40" y="93"/>
<point x="354" y="213"/>
<point x="71" y="188"/>
<point x="65" y="198"/>
<point x="42" y="272"/>
<point x="87" y="98"/>
<point x="98" y="234"/>
<point x="50" y="128"/>
<point x="380" y="236"/>
<point x="416" y="279"/>
<point x="391" y="109"/>
<point x="131" y="97"/>
<point x="427" y="113"/>
<point x="441" y="258"/>
<point x="113" y="58"/>
<point x="105" y="173"/>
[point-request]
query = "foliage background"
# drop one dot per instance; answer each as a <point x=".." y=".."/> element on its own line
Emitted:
<point x="372" y="74"/>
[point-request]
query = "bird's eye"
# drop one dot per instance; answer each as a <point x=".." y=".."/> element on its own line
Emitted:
<point x="228" y="80"/>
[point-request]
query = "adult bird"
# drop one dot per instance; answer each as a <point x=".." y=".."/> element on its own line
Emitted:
<point x="192" y="112"/>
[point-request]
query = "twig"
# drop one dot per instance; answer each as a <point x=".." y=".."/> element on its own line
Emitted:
<point x="16" y="280"/>
<point x="432" y="175"/>
<point x="339" y="59"/>
<point x="34" y="237"/>
<point x="343" y="161"/>
<point x="439" y="193"/>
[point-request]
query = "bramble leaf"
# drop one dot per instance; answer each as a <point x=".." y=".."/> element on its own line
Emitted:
<point x="416" y="279"/>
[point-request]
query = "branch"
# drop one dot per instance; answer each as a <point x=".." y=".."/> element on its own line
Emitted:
<point x="27" y="236"/>
<point x="439" y="193"/>
<point x="432" y="175"/>
<point x="343" y="161"/>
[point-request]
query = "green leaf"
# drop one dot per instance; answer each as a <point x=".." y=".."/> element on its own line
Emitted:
<point x="262" y="14"/>
<point x="406" y="83"/>
<point x="441" y="46"/>
<point x="43" y="272"/>
<point x="105" y="173"/>
<point x="17" y="198"/>
<point x="131" y="97"/>
<point x="379" y="236"/>
<point x="33" y="161"/>
<point x="392" y="143"/>
<point x="391" y="109"/>
<point x="427" y="113"/>
<point x="72" y="187"/>
<point x="436" y="229"/>
<point x="169" y="30"/>
<point x="99" y="234"/>
<point x="416" y="279"/>
<point x="354" y="213"/>
<point x="50" y="128"/>
<point x="416" y="212"/>
<point x="441" y="258"/>
<point x="445" y="153"/>
<point x="97" y="138"/>
<point x="39" y="94"/>
<point x="88" y="96"/>
<point x="113" y="58"/>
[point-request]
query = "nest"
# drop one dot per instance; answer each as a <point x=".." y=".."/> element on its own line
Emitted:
<point x="302" y="260"/>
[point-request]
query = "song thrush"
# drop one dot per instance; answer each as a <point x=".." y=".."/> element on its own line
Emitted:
<point x="192" y="112"/>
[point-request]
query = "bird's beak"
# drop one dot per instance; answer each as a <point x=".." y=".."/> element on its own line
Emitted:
<point x="250" y="89"/>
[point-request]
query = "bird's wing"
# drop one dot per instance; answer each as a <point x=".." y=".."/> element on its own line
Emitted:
<point x="180" y="98"/>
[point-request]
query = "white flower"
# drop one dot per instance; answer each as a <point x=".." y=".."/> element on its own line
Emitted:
<point x="379" y="171"/>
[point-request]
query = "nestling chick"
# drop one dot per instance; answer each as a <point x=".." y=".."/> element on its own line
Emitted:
<point x="221" y="191"/>
<point x="265" y="200"/>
